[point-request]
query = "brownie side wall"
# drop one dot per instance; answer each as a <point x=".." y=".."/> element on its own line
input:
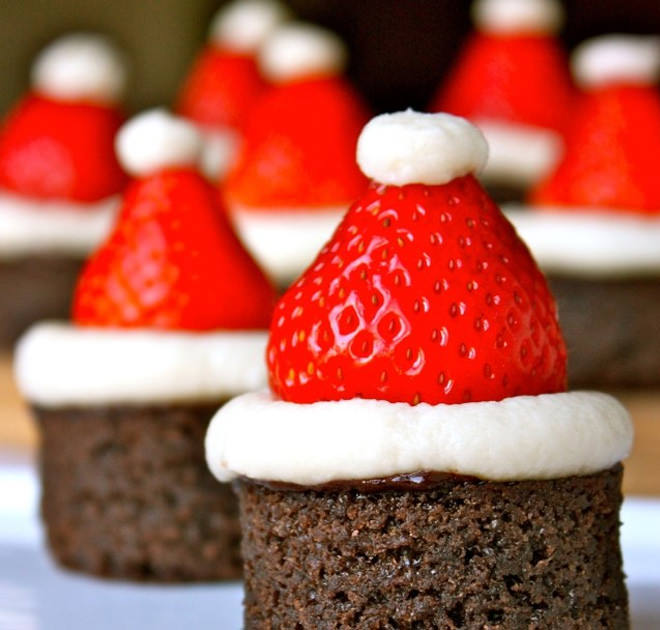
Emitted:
<point x="612" y="330"/>
<point x="35" y="288"/>
<point x="466" y="554"/>
<point x="127" y="494"/>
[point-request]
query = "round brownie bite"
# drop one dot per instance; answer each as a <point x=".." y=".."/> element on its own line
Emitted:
<point x="168" y="323"/>
<point x="417" y="462"/>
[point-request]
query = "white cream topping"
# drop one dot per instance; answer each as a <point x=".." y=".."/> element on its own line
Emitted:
<point x="298" y="50"/>
<point x="220" y="148"/>
<point x="526" y="437"/>
<point x="519" y="153"/>
<point x="516" y="16"/>
<point x="60" y="364"/>
<point x="80" y="66"/>
<point x="285" y="242"/>
<point x="156" y="139"/>
<point x="243" y="25"/>
<point x="417" y="148"/>
<point x="614" y="58"/>
<point x="587" y="243"/>
<point x="45" y="226"/>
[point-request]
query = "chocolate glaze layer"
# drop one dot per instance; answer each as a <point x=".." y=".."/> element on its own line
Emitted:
<point x="420" y="480"/>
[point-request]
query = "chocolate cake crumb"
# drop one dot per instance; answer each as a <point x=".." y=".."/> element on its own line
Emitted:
<point x="127" y="494"/>
<point x="466" y="554"/>
<point x="612" y="330"/>
<point x="34" y="288"/>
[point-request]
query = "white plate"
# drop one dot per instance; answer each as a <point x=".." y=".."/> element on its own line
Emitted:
<point x="35" y="595"/>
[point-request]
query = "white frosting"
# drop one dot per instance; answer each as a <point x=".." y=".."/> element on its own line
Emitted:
<point x="527" y="437"/>
<point x="587" y="243"/>
<point x="220" y="148"/>
<point x="416" y="148"/>
<point x="519" y="154"/>
<point x="46" y="226"/>
<point x="285" y="242"/>
<point x="156" y="139"/>
<point x="59" y="364"/>
<point x="613" y="58"/>
<point x="516" y="16"/>
<point x="243" y="25"/>
<point x="298" y="50"/>
<point x="80" y="66"/>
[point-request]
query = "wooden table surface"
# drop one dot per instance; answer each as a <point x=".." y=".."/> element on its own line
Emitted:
<point x="642" y="471"/>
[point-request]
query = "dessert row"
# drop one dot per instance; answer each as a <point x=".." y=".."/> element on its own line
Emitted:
<point x="280" y="122"/>
<point x="398" y="450"/>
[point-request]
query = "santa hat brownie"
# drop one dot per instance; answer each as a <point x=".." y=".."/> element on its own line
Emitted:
<point x="607" y="163"/>
<point x="424" y="293"/>
<point x="173" y="260"/>
<point x="296" y="171"/>
<point x="57" y="143"/>
<point x="169" y="321"/>
<point x="513" y="81"/>
<point x="59" y="177"/>
<point x="225" y="81"/>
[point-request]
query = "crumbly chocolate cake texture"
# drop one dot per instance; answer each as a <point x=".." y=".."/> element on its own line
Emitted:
<point x="462" y="554"/>
<point x="127" y="494"/>
<point x="612" y="330"/>
<point x="35" y="288"/>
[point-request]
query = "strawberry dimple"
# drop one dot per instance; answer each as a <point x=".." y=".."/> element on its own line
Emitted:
<point x="424" y="294"/>
<point x="51" y="149"/>
<point x="173" y="262"/>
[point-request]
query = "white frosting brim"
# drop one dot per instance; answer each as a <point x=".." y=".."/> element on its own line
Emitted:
<point x="587" y="243"/>
<point x="285" y="242"/>
<point x="526" y="437"/>
<point x="42" y="226"/>
<point x="520" y="154"/>
<point x="59" y="364"/>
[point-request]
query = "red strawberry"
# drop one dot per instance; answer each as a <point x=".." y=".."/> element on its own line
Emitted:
<point x="173" y="262"/>
<point x="608" y="162"/>
<point x="221" y="88"/>
<point x="299" y="148"/>
<point x="424" y="294"/>
<point x="53" y="149"/>
<point x="517" y="78"/>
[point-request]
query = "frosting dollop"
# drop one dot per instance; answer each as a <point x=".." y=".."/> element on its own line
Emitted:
<point x="60" y="364"/>
<point x="299" y="50"/>
<point x="526" y="437"/>
<point x="155" y="140"/>
<point x="617" y="58"/>
<point x="243" y="25"/>
<point x="516" y="16"/>
<point x="417" y="148"/>
<point x="80" y="66"/>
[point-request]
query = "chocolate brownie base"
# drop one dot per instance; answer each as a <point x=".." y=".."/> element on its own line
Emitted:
<point x="612" y="330"/>
<point x="34" y="288"/>
<point x="127" y="494"/>
<point x="503" y="192"/>
<point x="461" y="554"/>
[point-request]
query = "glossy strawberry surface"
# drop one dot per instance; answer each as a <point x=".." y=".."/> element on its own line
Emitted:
<point x="173" y="262"/>
<point x="221" y="89"/>
<point x="610" y="160"/>
<point x="299" y="148"/>
<point x="424" y="294"/>
<point x="522" y="79"/>
<point x="56" y="150"/>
